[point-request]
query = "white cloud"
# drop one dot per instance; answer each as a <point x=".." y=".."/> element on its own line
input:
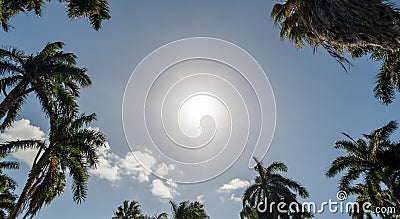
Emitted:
<point x="234" y="185"/>
<point x="113" y="168"/>
<point x="236" y="198"/>
<point x="106" y="169"/>
<point x="130" y="166"/>
<point x="200" y="198"/>
<point x="163" y="169"/>
<point x="23" y="130"/>
<point x="27" y="156"/>
<point x="162" y="191"/>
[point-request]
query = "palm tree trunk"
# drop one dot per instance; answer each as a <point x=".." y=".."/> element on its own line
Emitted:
<point x="29" y="185"/>
<point x="24" y="195"/>
<point x="355" y="23"/>
<point x="9" y="101"/>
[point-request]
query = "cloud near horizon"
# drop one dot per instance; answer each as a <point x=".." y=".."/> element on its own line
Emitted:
<point x="111" y="167"/>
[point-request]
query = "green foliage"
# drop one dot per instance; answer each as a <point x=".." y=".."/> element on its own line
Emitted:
<point x="70" y="149"/>
<point x="269" y="185"/>
<point x="95" y="10"/>
<point x="128" y="210"/>
<point x="188" y="210"/>
<point x="372" y="161"/>
<point x="131" y="210"/>
<point x="51" y="74"/>
<point x="7" y="187"/>
<point x="343" y="26"/>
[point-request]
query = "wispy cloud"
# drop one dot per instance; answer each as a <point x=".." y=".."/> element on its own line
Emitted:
<point x="200" y="198"/>
<point x="235" y="198"/>
<point x="234" y="185"/>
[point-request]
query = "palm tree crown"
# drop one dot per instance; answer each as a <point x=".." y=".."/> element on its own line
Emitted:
<point x="270" y="186"/>
<point x="374" y="162"/>
<point x="51" y="74"/>
<point x="188" y="210"/>
<point x="358" y="27"/>
<point x="128" y="210"/>
<point x="71" y="148"/>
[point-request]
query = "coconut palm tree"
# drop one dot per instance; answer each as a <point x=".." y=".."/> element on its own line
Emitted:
<point x="96" y="10"/>
<point x="51" y="75"/>
<point x="155" y="216"/>
<point x="70" y="149"/>
<point x="373" y="161"/>
<point x="188" y="210"/>
<point x="160" y="216"/>
<point x="248" y="213"/>
<point x="364" y="196"/>
<point x="270" y="186"/>
<point x="357" y="27"/>
<point x="129" y="210"/>
<point x="7" y="187"/>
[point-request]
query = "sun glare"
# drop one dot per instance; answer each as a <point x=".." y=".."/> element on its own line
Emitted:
<point x="193" y="109"/>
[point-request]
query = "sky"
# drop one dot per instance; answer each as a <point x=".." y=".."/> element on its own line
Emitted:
<point x="315" y="102"/>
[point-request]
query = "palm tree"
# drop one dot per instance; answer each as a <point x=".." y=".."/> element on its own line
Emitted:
<point x="374" y="161"/>
<point x="70" y="148"/>
<point x="188" y="210"/>
<point x="270" y="186"/>
<point x="128" y="210"/>
<point x="155" y="216"/>
<point x="95" y="10"/>
<point x="248" y="213"/>
<point x="160" y="216"/>
<point x="7" y="186"/>
<point x="378" y="199"/>
<point x="357" y="27"/>
<point x="51" y="74"/>
<point x="339" y="23"/>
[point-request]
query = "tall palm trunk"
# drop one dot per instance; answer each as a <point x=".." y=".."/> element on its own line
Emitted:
<point x="10" y="99"/>
<point x="24" y="195"/>
<point x="355" y="23"/>
<point x="30" y="183"/>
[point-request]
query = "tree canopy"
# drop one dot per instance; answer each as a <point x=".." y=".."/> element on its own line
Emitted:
<point x="95" y="10"/>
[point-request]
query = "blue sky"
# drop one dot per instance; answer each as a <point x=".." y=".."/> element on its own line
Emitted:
<point x="316" y="100"/>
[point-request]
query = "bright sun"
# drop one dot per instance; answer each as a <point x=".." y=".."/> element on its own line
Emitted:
<point x="193" y="109"/>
